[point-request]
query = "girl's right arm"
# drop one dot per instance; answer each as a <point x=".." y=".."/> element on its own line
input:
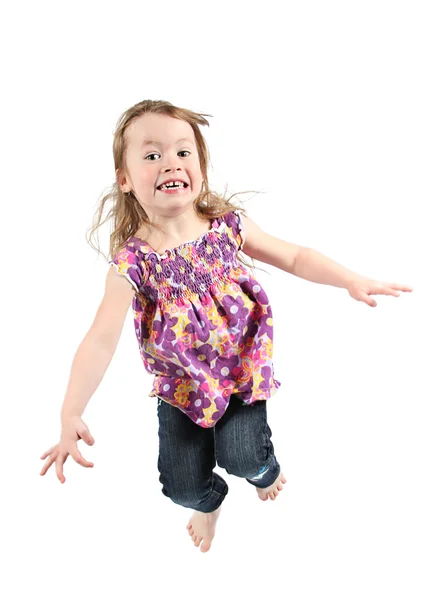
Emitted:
<point x="89" y="365"/>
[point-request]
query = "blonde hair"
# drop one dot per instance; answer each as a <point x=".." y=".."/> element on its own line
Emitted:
<point x="126" y="213"/>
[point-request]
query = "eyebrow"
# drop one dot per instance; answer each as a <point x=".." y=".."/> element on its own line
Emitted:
<point x="153" y="142"/>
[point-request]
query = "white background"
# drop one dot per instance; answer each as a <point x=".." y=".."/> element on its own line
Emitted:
<point x="323" y="107"/>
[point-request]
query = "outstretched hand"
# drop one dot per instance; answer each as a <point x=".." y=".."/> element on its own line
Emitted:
<point x="73" y="429"/>
<point x="361" y="289"/>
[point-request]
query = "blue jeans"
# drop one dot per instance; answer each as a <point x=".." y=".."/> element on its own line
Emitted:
<point x="240" y="443"/>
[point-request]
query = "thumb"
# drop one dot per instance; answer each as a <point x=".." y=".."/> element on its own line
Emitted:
<point x="87" y="437"/>
<point x="370" y="301"/>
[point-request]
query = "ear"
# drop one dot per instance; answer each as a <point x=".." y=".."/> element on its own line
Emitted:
<point x="122" y="181"/>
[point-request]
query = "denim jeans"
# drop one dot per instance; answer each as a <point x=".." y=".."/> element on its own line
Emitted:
<point x="240" y="442"/>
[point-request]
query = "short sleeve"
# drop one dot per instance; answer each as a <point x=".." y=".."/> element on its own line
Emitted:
<point x="234" y="221"/>
<point x="131" y="264"/>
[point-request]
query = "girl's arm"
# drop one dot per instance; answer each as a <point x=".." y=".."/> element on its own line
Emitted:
<point x="95" y="352"/>
<point x="312" y="265"/>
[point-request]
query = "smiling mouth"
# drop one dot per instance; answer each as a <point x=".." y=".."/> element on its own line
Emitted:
<point x="175" y="187"/>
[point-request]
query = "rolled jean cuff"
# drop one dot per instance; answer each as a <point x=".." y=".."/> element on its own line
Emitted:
<point x="267" y="475"/>
<point x="216" y="497"/>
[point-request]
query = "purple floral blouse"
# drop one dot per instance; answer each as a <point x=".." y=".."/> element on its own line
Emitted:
<point x="203" y="323"/>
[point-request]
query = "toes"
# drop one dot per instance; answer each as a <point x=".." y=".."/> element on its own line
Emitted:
<point x="197" y="541"/>
<point x="205" y="546"/>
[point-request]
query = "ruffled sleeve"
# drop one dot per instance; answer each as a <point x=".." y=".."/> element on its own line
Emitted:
<point x="234" y="221"/>
<point x="131" y="264"/>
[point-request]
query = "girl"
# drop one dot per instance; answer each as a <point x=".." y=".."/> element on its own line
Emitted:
<point x="203" y="323"/>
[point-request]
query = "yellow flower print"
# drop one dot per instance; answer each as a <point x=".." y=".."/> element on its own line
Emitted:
<point x="185" y="252"/>
<point x="213" y="315"/>
<point x="219" y="340"/>
<point x="247" y="367"/>
<point x="257" y="379"/>
<point x="182" y="392"/>
<point x="266" y="348"/>
<point x="179" y="327"/>
<point x="208" y="413"/>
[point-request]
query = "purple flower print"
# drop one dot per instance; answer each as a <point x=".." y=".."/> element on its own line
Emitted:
<point x="253" y="327"/>
<point x="152" y="260"/>
<point x="137" y="305"/>
<point x="226" y="252"/>
<point x="254" y="291"/>
<point x="154" y="364"/>
<point x="222" y="405"/>
<point x="166" y="387"/>
<point x="201" y="278"/>
<point x="135" y="274"/>
<point x="208" y="250"/>
<point x="163" y="330"/>
<point x="176" y="316"/>
<point x="266" y="324"/>
<point x="266" y="373"/>
<point x="181" y="270"/>
<point x="224" y="366"/>
<point x="235" y="310"/>
<point x="200" y="356"/>
<point x="150" y="293"/>
<point x="162" y="272"/>
<point x="179" y="352"/>
<point x="231" y="220"/>
<point x="199" y="399"/>
<point x="167" y="350"/>
<point x="199" y="325"/>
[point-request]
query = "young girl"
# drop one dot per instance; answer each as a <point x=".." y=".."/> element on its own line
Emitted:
<point x="203" y="323"/>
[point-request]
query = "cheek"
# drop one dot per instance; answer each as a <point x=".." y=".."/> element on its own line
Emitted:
<point x="197" y="172"/>
<point x="149" y="176"/>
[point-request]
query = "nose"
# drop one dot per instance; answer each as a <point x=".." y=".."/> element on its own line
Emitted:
<point x="172" y="162"/>
<point x="168" y="169"/>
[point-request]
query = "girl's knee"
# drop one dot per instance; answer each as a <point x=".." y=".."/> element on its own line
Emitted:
<point x="245" y="465"/>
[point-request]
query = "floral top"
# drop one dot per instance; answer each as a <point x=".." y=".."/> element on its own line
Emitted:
<point x="203" y="323"/>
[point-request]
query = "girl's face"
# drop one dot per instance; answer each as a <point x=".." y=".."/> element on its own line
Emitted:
<point x="160" y="148"/>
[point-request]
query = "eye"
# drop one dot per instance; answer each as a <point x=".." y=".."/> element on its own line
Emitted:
<point x="156" y="153"/>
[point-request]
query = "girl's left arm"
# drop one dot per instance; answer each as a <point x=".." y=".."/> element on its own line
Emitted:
<point x="318" y="268"/>
<point x="310" y="264"/>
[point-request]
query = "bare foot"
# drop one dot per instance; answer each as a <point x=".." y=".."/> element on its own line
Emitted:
<point x="201" y="528"/>
<point x="272" y="491"/>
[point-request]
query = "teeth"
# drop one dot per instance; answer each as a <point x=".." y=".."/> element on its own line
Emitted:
<point x="172" y="185"/>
